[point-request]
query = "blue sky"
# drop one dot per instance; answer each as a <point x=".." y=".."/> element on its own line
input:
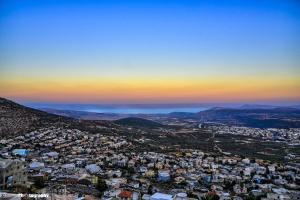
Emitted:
<point x="48" y="38"/>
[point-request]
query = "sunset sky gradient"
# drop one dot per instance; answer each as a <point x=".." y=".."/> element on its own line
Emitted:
<point x="150" y="51"/>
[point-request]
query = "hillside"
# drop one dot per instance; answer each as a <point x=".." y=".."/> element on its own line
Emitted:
<point x="138" y="122"/>
<point x="16" y="119"/>
<point x="260" y="118"/>
<point x="84" y="115"/>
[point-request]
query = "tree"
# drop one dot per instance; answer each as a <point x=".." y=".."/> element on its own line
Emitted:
<point x="183" y="183"/>
<point x="39" y="183"/>
<point x="150" y="189"/>
<point x="101" y="185"/>
<point x="250" y="197"/>
<point x="130" y="170"/>
<point x="212" y="195"/>
<point x="192" y="195"/>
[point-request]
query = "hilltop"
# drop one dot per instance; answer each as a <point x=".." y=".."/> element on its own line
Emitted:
<point x="138" y="122"/>
<point x="16" y="119"/>
<point x="83" y="115"/>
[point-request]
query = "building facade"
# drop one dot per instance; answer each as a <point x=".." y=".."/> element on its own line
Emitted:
<point x="12" y="173"/>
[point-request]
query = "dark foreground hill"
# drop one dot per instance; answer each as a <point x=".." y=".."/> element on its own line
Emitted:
<point x="138" y="122"/>
<point x="17" y="119"/>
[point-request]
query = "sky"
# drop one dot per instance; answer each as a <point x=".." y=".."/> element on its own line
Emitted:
<point x="150" y="51"/>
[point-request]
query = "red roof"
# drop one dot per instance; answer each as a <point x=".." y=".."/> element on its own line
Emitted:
<point x="125" y="194"/>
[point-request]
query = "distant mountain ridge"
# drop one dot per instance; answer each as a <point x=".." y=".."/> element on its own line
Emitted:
<point x="280" y="117"/>
<point x="257" y="106"/>
<point x="251" y="115"/>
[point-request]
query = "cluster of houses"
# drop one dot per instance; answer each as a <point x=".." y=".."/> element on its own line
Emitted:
<point x="62" y="161"/>
<point x="291" y="135"/>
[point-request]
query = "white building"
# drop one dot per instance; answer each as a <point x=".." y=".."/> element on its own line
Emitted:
<point x="181" y="196"/>
<point x="161" y="196"/>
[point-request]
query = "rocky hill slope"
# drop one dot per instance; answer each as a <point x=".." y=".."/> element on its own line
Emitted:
<point x="17" y="119"/>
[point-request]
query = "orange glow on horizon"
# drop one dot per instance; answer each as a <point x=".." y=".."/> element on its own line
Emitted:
<point x="151" y="90"/>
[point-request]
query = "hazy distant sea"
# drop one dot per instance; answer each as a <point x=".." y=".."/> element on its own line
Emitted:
<point x="143" y="110"/>
<point x="122" y="109"/>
